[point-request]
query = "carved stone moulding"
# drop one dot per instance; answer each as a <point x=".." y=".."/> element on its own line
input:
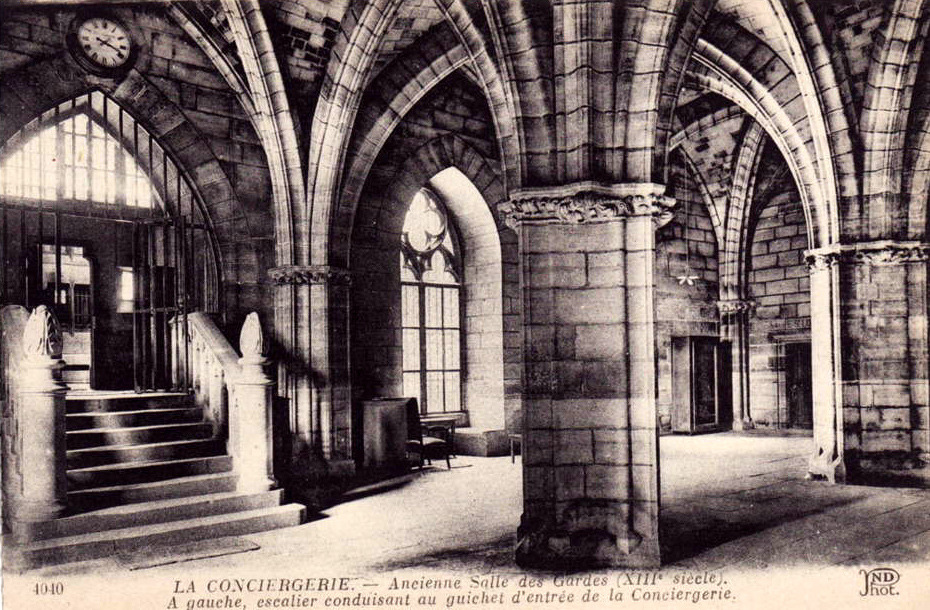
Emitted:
<point x="42" y="335"/>
<point x="252" y="339"/>
<point x="731" y="306"/>
<point x="308" y="274"/>
<point x="586" y="202"/>
<point x="878" y="253"/>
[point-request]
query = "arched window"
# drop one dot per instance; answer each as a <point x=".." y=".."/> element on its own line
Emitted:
<point x="87" y="157"/>
<point x="431" y="311"/>
<point x="86" y="150"/>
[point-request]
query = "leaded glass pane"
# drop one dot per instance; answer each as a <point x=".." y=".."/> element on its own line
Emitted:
<point x="434" y="349"/>
<point x="98" y="153"/>
<point x="411" y="349"/>
<point x="450" y="307"/>
<point x="406" y="272"/>
<point x="410" y="307"/>
<point x="80" y="154"/>
<point x="435" y="392"/>
<point x="451" y="349"/>
<point x="412" y="385"/>
<point x="80" y="123"/>
<point x="453" y="391"/>
<point x="433" y="307"/>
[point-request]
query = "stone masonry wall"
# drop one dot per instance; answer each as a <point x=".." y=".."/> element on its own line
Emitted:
<point x="422" y="145"/>
<point x="235" y="182"/>
<point x="779" y="284"/>
<point x="682" y="308"/>
<point x="886" y="415"/>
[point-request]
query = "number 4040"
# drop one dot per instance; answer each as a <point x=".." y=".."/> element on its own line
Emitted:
<point x="49" y="588"/>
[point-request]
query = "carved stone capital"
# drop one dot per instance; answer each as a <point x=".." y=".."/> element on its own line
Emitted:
<point x="731" y="306"/>
<point x="821" y="260"/>
<point x="587" y="203"/>
<point x="308" y="274"/>
<point x="890" y="253"/>
<point x="877" y="253"/>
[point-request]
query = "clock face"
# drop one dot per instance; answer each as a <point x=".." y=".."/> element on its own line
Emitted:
<point x="104" y="42"/>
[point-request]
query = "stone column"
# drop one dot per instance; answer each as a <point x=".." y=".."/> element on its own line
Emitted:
<point x="826" y="461"/>
<point x="734" y="327"/>
<point x="41" y="420"/>
<point x="876" y="295"/>
<point x="312" y="331"/>
<point x="590" y="442"/>
<point x="250" y="420"/>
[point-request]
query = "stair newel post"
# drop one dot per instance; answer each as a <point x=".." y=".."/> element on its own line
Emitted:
<point x="250" y="419"/>
<point x="42" y="422"/>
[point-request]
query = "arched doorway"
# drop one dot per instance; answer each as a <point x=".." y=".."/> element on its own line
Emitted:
<point x="85" y="180"/>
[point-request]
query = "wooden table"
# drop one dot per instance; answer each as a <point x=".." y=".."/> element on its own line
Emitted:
<point x="444" y="421"/>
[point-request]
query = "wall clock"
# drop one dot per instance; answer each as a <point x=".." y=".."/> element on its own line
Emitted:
<point x="101" y="44"/>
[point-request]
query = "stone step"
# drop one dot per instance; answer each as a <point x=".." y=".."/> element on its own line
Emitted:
<point x="99" y="437"/>
<point x="127" y="454"/>
<point x="148" y="513"/>
<point x="145" y="472"/>
<point x="101" y="497"/>
<point x="132" y="419"/>
<point x="125" y="401"/>
<point x="112" y="542"/>
<point x="76" y="359"/>
<point x="75" y="374"/>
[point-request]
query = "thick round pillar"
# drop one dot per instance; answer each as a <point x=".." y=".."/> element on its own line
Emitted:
<point x="41" y="421"/>
<point x="590" y="435"/>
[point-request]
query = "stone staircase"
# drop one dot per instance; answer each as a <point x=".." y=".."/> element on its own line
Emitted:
<point x="144" y="470"/>
<point x="76" y="354"/>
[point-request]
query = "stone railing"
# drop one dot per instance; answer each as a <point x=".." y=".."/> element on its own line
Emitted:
<point x="33" y="398"/>
<point x="235" y="392"/>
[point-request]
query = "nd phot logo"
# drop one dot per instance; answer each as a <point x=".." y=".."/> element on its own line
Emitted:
<point x="879" y="581"/>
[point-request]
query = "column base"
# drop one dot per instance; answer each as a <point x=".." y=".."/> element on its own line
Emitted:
<point x="743" y="424"/>
<point x="823" y="466"/>
<point x="592" y="534"/>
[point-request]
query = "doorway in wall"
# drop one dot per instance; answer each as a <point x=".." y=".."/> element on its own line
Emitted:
<point x="67" y="287"/>
<point x="700" y="385"/>
<point x="798" y="387"/>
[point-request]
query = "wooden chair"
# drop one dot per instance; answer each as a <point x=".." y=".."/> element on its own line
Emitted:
<point x="428" y="442"/>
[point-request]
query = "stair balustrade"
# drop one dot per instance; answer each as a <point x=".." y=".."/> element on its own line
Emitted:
<point x="33" y="395"/>
<point x="236" y="392"/>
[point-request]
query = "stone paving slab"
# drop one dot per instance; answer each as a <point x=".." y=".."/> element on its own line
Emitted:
<point x="466" y="518"/>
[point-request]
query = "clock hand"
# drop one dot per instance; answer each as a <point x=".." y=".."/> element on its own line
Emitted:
<point x="107" y="43"/>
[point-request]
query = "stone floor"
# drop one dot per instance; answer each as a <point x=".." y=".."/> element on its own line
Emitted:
<point x="730" y="502"/>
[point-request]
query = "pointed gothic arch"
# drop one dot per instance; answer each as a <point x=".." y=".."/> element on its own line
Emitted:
<point x="86" y="176"/>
